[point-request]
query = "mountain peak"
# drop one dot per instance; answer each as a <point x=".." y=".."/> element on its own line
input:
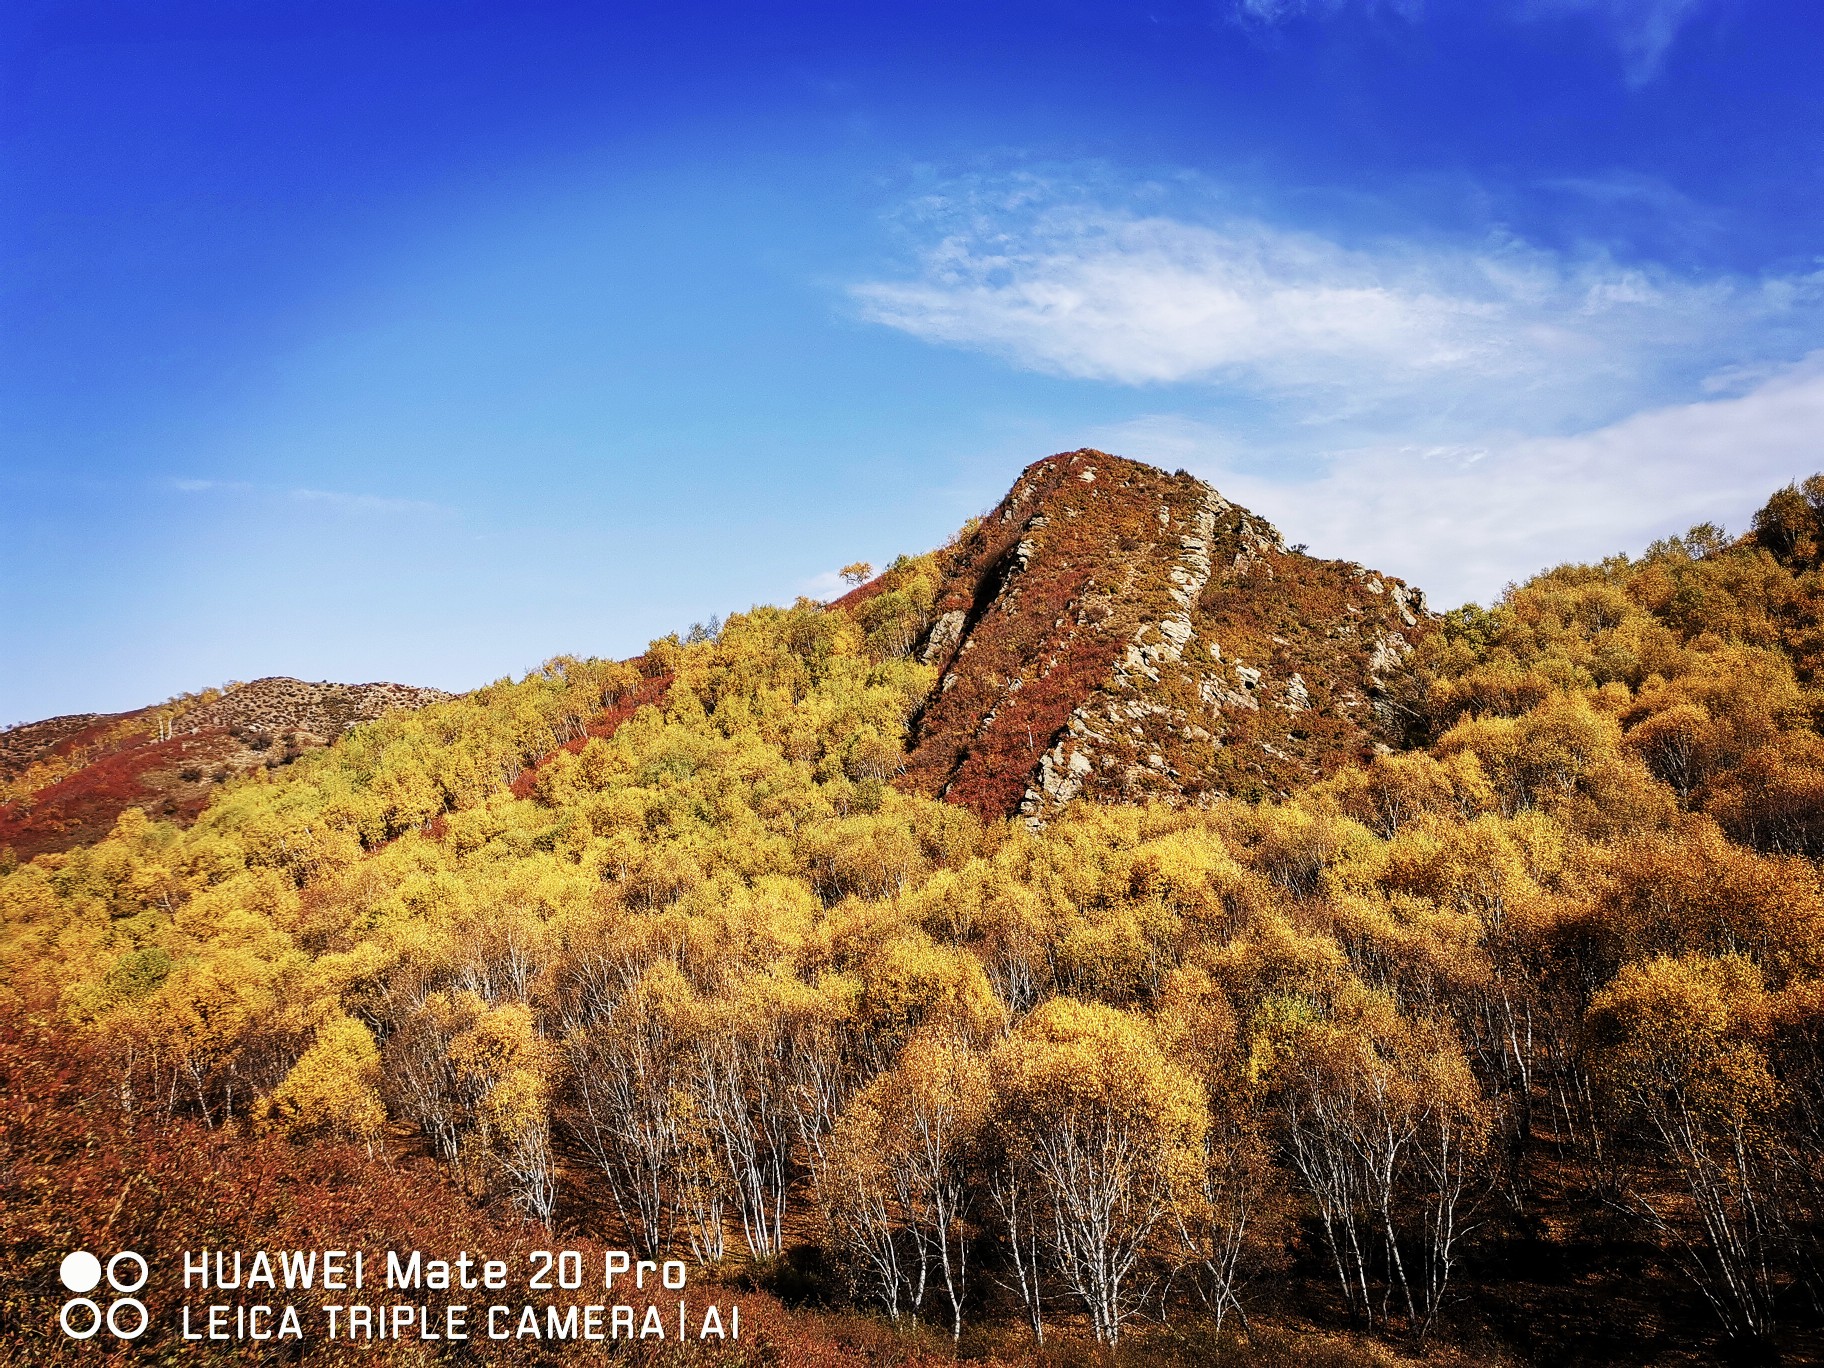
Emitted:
<point x="1118" y="632"/>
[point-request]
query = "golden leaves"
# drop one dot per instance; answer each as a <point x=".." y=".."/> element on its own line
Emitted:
<point x="334" y="1087"/>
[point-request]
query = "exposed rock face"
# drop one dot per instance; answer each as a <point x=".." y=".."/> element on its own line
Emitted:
<point x="1114" y="631"/>
<point x="943" y="636"/>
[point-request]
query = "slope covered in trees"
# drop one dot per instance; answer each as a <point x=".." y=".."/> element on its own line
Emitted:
<point x="664" y="949"/>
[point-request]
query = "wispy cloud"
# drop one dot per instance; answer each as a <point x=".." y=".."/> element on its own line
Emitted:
<point x="1266" y="310"/>
<point x="366" y="503"/>
<point x="1279" y="11"/>
<point x="1460" y="412"/>
<point x="824" y="586"/>
<point x="1462" y="521"/>
<point x="1642" y="30"/>
<point x="327" y="498"/>
<point x="1105" y="296"/>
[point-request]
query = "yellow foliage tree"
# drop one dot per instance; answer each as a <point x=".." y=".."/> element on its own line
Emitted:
<point x="334" y="1087"/>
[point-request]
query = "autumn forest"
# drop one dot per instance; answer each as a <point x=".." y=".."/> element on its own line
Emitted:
<point x="1434" y="987"/>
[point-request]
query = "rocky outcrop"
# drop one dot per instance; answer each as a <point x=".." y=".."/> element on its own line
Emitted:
<point x="1117" y="632"/>
<point x="324" y="710"/>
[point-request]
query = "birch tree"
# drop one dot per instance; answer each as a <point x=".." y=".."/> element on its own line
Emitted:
<point x="1111" y="1132"/>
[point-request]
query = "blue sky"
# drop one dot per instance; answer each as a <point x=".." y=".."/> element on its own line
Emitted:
<point x="424" y="341"/>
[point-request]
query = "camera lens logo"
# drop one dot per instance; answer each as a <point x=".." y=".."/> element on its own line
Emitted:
<point x="81" y="1318"/>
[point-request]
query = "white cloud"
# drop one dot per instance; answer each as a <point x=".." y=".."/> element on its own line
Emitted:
<point x="1462" y="414"/>
<point x="1277" y="313"/>
<point x="1278" y="11"/>
<point x="1138" y="300"/>
<point x="1463" y="521"/>
<point x="824" y="586"/>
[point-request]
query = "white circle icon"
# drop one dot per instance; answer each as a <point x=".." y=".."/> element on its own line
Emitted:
<point x="145" y="1318"/>
<point x="95" y="1318"/>
<point x="114" y="1277"/>
<point x="81" y="1271"/>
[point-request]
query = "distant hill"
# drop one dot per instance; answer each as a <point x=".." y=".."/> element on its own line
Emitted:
<point x="65" y="780"/>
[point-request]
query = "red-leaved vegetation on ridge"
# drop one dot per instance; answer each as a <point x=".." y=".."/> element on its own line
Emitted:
<point x="1117" y="632"/>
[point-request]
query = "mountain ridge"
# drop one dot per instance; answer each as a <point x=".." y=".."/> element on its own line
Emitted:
<point x="1108" y="630"/>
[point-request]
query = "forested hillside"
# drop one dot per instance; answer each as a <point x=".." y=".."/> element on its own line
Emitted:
<point x="1457" y="1044"/>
